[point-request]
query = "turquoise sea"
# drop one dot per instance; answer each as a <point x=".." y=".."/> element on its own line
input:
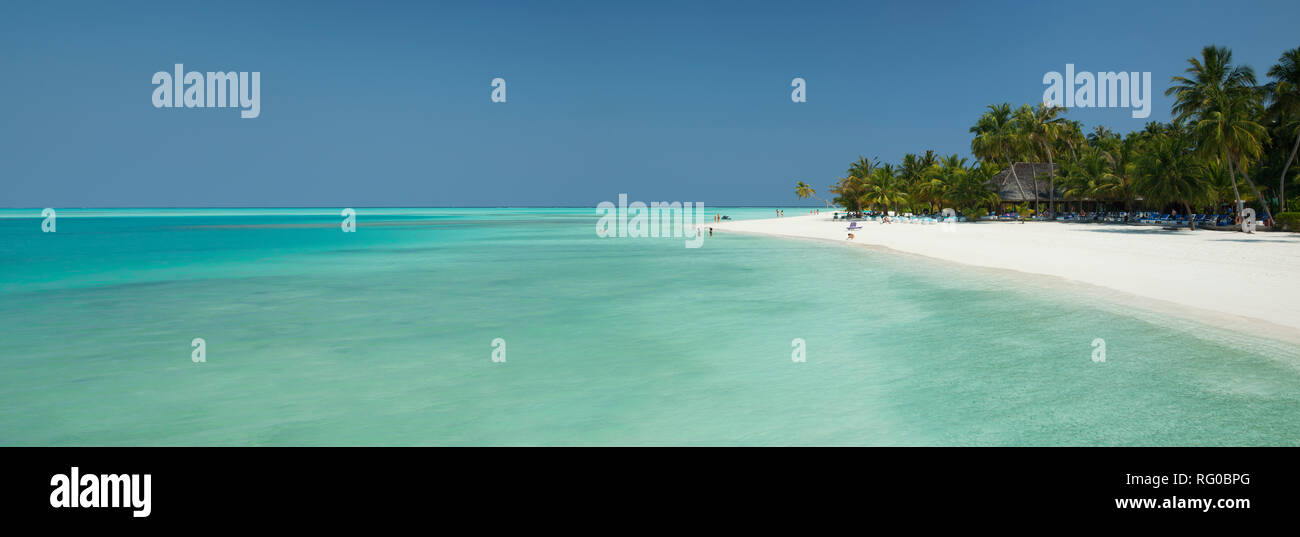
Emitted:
<point x="385" y="337"/>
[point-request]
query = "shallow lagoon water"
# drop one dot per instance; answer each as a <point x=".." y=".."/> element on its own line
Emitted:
<point x="384" y="337"/>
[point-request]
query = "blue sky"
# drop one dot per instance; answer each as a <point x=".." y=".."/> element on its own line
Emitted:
<point x="388" y="105"/>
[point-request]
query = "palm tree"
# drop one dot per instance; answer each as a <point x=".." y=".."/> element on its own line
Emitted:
<point x="802" y="190"/>
<point x="1284" y="92"/>
<point x="1023" y="120"/>
<point x="1101" y="134"/>
<point x="970" y="190"/>
<point x="1226" y="127"/>
<point x="1213" y="82"/>
<point x="911" y="173"/>
<point x="1091" y="175"/>
<point x="1045" y="127"/>
<point x="912" y="166"/>
<point x="1213" y="73"/>
<point x="932" y="189"/>
<point x="849" y="193"/>
<point x="862" y="167"/>
<point x="1123" y="159"/>
<point x="995" y="139"/>
<point x="938" y="180"/>
<point x="883" y="188"/>
<point x="1071" y="136"/>
<point x="1168" y="172"/>
<point x="1219" y="182"/>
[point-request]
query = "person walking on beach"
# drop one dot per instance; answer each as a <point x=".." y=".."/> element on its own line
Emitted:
<point x="710" y="232"/>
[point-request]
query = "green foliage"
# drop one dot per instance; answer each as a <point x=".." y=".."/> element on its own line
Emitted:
<point x="1227" y="132"/>
<point x="1289" y="221"/>
<point x="1024" y="211"/>
<point x="1168" y="171"/>
<point x="802" y="190"/>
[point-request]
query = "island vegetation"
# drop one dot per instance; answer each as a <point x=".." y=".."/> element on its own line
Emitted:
<point x="1230" y="143"/>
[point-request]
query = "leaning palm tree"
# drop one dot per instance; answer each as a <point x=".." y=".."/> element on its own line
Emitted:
<point x="1284" y="93"/>
<point x="1215" y="91"/>
<point x="1211" y="74"/>
<point x="804" y="190"/>
<point x="1227" y="127"/>
<point x="1168" y="172"/>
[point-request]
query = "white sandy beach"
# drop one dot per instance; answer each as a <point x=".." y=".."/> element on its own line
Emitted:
<point x="1224" y="276"/>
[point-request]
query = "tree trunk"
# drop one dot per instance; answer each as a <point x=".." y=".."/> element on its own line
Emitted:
<point x="1191" y="220"/>
<point x="1033" y="167"/>
<point x="1268" y="214"/>
<point x="1051" y="175"/>
<point x="1236" y="201"/>
<point x="1281" y="196"/>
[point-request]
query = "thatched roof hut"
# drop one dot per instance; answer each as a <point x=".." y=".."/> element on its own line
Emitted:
<point x="1029" y="177"/>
